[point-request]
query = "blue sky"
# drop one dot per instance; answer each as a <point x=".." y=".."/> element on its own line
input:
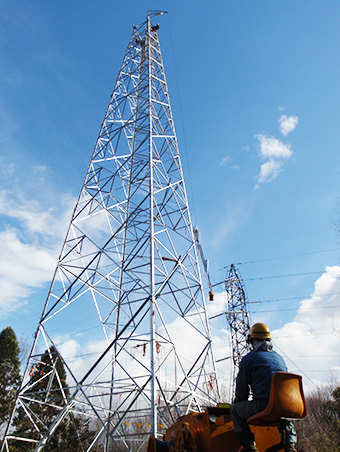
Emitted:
<point x="252" y="85"/>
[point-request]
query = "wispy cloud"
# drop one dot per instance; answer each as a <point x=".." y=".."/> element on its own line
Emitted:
<point x="287" y="124"/>
<point x="229" y="161"/>
<point x="30" y="241"/>
<point x="35" y="218"/>
<point x="274" y="152"/>
<point x="225" y="160"/>
<point x="229" y="223"/>
<point x="23" y="267"/>
<point x="269" y="171"/>
<point x="39" y="169"/>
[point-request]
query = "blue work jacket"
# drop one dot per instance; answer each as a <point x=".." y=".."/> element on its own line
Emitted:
<point x="256" y="371"/>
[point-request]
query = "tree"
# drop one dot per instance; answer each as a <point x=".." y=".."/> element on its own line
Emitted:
<point x="49" y="394"/>
<point x="9" y="373"/>
<point x="320" y="431"/>
<point x="332" y="414"/>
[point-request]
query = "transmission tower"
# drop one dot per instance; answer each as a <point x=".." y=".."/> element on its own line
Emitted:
<point x="238" y="320"/>
<point x="125" y="314"/>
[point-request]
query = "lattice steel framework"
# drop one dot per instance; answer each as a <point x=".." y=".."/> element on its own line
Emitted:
<point x="125" y="313"/>
<point x="238" y="319"/>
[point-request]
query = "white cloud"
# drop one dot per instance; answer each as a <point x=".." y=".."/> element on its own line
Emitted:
<point x="225" y="160"/>
<point x="6" y="169"/>
<point x="218" y="305"/>
<point x="39" y="169"/>
<point x="269" y="171"/>
<point x="273" y="148"/>
<point x="26" y="263"/>
<point x="311" y="340"/>
<point x="228" y="223"/>
<point x="309" y="343"/>
<point x="22" y="268"/>
<point x="228" y="161"/>
<point x="34" y="217"/>
<point x="275" y="152"/>
<point x="287" y="124"/>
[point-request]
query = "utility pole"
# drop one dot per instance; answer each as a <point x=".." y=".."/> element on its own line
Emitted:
<point x="125" y="312"/>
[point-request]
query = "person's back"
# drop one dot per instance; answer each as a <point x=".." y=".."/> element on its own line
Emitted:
<point x="256" y="371"/>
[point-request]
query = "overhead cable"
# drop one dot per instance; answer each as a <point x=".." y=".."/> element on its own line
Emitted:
<point x="259" y="278"/>
<point x="283" y="257"/>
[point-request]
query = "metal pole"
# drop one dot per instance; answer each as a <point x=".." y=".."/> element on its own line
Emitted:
<point x="152" y="248"/>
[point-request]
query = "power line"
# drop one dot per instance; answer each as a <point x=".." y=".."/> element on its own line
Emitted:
<point x="282" y="257"/>
<point x="182" y="121"/>
<point x="299" y="368"/>
<point x="314" y="356"/>
<point x="274" y="300"/>
<point x="259" y="278"/>
<point x="295" y="309"/>
<point x="254" y="311"/>
<point x="320" y="370"/>
<point x="290" y="335"/>
<point x="306" y="335"/>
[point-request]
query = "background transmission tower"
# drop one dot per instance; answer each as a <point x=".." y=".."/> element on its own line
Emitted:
<point x="125" y="315"/>
<point x="238" y="320"/>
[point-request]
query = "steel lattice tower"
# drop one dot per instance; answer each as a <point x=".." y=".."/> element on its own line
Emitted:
<point x="125" y="313"/>
<point x="238" y="320"/>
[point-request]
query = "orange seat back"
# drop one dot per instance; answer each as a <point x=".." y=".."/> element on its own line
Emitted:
<point x="286" y="400"/>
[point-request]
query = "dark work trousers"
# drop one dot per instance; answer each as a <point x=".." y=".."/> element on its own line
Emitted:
<point x="241" y="411"/>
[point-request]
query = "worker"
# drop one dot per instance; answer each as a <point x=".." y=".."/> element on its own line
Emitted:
<point x="256" y="371"/>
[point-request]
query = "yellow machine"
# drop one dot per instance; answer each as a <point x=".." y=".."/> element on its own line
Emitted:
<point x="213" y="430"/>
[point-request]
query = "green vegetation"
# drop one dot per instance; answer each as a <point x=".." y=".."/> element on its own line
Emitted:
<point x="9" y="373"/>
<point x="320" y="430"/>
<point x="48" y="377"/>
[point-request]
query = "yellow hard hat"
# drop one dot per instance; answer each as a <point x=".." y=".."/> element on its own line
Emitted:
<point x="260" y="331"/>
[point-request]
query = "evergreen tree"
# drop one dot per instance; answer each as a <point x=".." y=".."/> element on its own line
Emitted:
<point x="48" y="380"/>
<point x="9" y="373"/>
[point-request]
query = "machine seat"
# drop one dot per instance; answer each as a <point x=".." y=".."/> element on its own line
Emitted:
<point x="286" y="401"/>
